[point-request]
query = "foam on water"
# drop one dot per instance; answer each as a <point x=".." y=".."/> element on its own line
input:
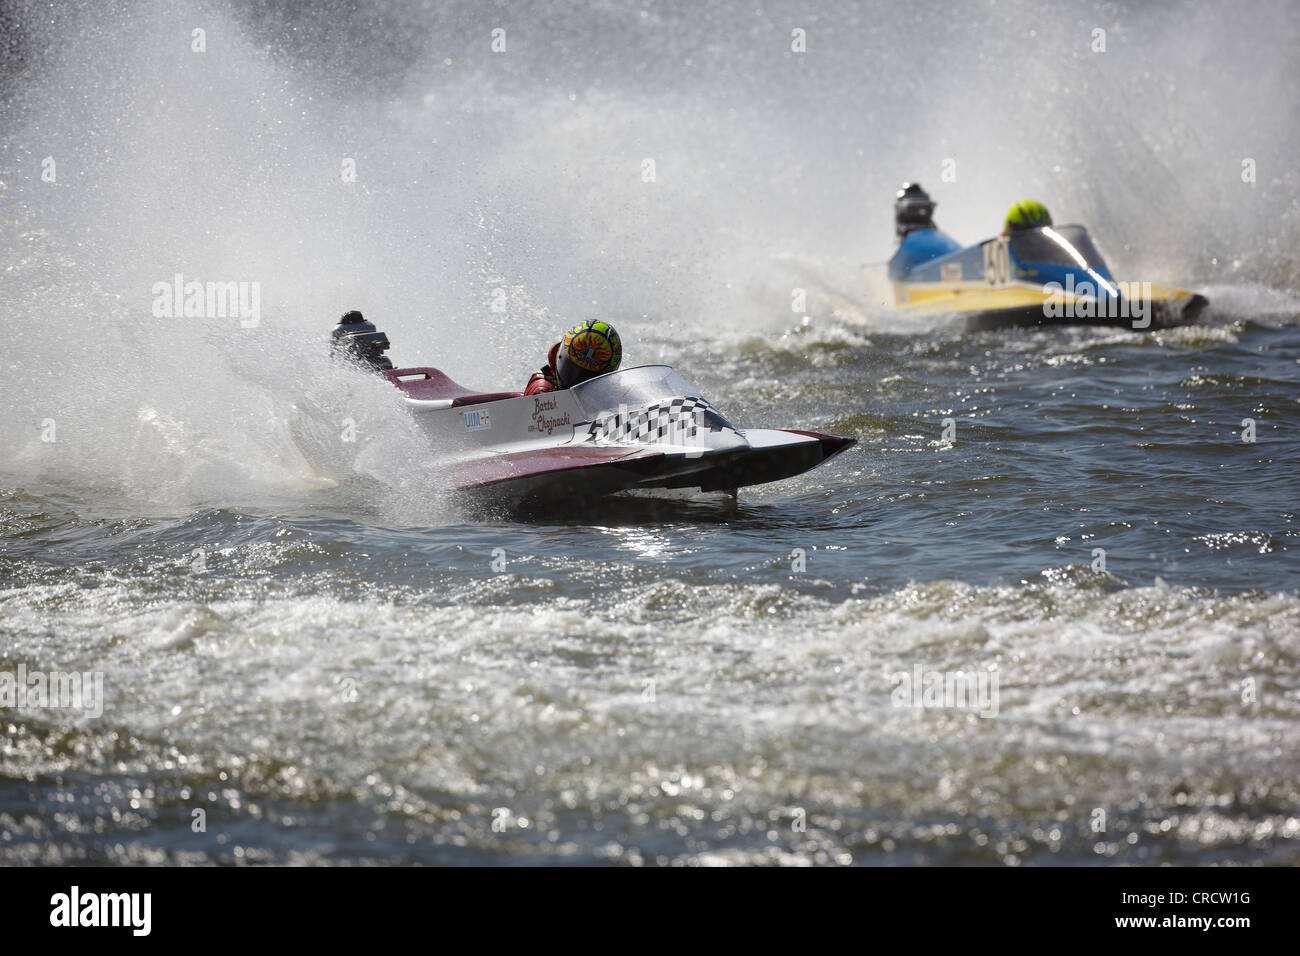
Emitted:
<point x="791" y="699"/>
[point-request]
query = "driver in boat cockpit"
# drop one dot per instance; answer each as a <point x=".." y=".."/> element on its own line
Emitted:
<point x="1026" y="214"/>
<point x="588" y="349"/>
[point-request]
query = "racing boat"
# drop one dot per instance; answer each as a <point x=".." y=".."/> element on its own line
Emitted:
<point x="635" y="429"/>
<point x="1048" y="275"/>
<point x="642" y="429"/>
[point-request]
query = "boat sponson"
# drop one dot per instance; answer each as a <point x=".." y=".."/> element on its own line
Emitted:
<point x="431" y="384"/>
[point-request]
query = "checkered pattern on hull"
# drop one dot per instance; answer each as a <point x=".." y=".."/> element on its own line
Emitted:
<point x="672" y="422"/>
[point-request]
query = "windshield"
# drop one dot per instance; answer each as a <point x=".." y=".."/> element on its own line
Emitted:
<point x="632" y="387"/>
<point x="1062" y="246"/>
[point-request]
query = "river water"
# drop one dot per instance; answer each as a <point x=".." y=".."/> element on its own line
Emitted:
<point x="1093" y="530"/>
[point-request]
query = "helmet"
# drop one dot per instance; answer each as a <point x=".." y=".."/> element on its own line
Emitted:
<point x="1027" y="214"/>
<point x="913" y="209"/>
<point x="359" y="339"/>
<point x="589" y="349"/>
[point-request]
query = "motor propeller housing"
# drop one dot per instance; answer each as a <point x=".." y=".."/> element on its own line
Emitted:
<point x="360" y="341"/>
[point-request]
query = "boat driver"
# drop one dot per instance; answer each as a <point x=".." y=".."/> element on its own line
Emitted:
<point x="913" y="210"/>
<point x="1026" y="214"/>
<point x="588" y="349"/>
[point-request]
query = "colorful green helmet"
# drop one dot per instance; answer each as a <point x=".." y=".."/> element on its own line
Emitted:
<point x="589" y="349"/>
<point x="1027" y="214"/>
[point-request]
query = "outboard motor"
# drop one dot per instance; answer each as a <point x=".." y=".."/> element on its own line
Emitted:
<point x="360" y="341"/>
<point x="913" y="209"/>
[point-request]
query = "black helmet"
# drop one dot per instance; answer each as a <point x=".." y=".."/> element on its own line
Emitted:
<point x="360" y="340"/>
<point x="913" y="209"/>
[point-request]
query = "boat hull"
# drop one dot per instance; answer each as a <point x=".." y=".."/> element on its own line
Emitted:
<point x="1045" y="277"/>
<point x="1155" y="312"/>
<point x="637" y="429"/>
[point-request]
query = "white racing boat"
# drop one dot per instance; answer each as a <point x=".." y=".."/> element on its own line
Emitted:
<point x="633" y="429"/>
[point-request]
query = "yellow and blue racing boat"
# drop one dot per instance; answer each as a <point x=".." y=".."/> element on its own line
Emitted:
<point x="1033" y="274"/>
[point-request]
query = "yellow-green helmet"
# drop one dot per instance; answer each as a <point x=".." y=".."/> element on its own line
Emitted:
<point x="588" y="349"/>
<point x="1027" y="214"/>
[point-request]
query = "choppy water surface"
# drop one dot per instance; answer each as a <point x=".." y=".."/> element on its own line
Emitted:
<point x="345" y="668"/>
<point x="663" y="686"/>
